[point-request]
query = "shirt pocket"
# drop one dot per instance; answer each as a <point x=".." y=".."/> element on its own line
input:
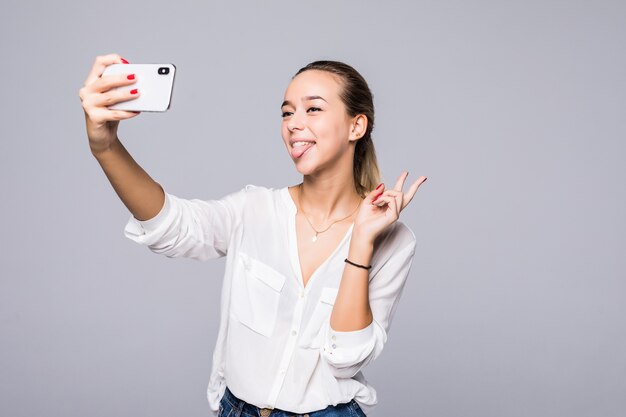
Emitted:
<point x="312" y="336"/>
<point x="256" y="294"/>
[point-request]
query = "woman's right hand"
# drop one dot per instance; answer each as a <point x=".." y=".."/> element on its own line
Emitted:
<point x="95" y="96"/>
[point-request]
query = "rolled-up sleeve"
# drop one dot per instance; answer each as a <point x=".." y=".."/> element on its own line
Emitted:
<point x="196" y="229"/>
<point x="348" y="352"/>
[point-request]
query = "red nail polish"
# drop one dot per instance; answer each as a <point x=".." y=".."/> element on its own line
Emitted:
<point x="377" y="197"/>
<point x="133" y="91"/>
<point x="381" y="184"/>
<point x="124" y="61"/>
<point x="131" y="77"/>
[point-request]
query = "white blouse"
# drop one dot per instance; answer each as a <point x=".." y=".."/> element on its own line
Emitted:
<point x="275" y="347"/>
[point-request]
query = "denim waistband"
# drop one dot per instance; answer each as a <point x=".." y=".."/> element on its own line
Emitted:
<point x="253" y="410"/>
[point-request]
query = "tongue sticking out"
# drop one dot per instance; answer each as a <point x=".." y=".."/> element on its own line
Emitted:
<point x="299" y="150"/>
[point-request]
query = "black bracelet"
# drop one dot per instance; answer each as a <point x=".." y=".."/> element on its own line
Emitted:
<point x="360" y="266"/>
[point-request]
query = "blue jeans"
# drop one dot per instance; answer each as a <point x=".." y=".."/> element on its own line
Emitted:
<point x="231" y="406"/>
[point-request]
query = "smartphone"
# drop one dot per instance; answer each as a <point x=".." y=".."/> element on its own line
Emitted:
<point x="155" y="83"/>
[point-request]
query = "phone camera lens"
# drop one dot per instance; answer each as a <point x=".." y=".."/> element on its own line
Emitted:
<point x="164" y="70"/>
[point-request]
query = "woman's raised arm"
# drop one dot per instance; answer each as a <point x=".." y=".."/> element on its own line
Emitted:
<point x="143" y="196"/>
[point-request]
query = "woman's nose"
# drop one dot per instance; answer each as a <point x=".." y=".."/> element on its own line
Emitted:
<point x="295" y="122"/>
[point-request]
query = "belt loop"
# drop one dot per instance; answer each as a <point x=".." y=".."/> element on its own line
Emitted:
<point x="239" y="407"/>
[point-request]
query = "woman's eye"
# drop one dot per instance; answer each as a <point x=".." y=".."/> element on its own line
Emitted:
<point x="286" y="113"/>
<point x="315" y="109"/>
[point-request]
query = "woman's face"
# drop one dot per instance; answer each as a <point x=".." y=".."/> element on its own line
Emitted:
<point x="314" y="113"/>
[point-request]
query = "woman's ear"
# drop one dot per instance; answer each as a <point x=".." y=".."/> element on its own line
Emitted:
<point x="358" y="126"/>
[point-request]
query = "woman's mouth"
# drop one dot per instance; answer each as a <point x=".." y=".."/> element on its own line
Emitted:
<point x="299" y="148"/>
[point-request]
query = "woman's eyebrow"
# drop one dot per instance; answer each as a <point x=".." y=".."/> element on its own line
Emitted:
<point x="307" y="98"/>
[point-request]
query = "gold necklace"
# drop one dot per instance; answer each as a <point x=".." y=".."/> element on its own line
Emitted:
<point x="314" y="238"/>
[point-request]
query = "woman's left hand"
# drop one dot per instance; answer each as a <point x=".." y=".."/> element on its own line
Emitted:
<point x="372" y="219"/>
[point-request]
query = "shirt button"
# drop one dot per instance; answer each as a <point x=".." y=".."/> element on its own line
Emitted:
<point x="334" y="346"/>
<point x="333" y="337"/>
<point x="301" y="294"/>
<point x="293" y="332"/>
<point x="282" y="371"/>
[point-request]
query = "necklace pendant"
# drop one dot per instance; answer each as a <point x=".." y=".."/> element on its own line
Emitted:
<point x="314" y="238"/>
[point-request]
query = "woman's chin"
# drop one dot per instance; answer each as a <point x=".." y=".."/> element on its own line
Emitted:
<point x="305" y="168"/>
<point x="304" y="171"/>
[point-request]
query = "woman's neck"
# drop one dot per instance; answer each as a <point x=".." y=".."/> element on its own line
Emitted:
<point x="328" y="199"/>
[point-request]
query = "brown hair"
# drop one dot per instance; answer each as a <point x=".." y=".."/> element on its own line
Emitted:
<point x="358" y="99"/>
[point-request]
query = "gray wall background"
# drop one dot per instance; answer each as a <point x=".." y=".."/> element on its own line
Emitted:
<point x="515" y="111"/>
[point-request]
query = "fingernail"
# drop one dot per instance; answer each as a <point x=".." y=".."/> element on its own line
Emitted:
<point x="131" y="77"/>
<point x="133" y="91"/>
<point x="381" y="184"/>
<point x="377" y="197"/>
<point x="124" y="61"/>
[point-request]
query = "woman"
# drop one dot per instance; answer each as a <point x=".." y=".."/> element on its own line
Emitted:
<point x="313" y="272"/>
